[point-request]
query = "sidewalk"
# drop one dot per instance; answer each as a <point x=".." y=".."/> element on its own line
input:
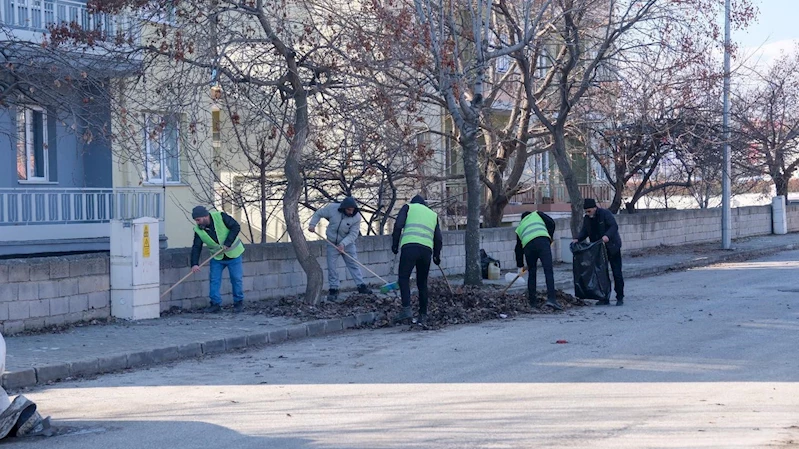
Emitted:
<point x="88" y="350"/>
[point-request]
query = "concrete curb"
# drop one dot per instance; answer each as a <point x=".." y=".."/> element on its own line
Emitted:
<point x="41" y="375"/>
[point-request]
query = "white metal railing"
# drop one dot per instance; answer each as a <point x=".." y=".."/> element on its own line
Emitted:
<point x="38" y="15"/>
<point x="51" y="206"/>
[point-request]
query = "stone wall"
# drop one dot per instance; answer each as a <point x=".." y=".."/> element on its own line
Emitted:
<point x="792" y="212"/>
<point x="47" y="291"/>
<point x="272" y="270"/>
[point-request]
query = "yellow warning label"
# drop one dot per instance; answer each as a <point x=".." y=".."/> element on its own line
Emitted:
<point x="146" y="242"/>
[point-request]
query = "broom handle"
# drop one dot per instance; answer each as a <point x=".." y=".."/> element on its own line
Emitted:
<point x="353" y="259"/>
<point x="513" y="281"/>
<point x="191" y="272"/>
<point x="445" y="279"/>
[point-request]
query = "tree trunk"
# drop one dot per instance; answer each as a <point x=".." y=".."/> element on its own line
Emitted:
<point x="291" y="199"/>
<point x="562" y="159"/>
<point x="494" y="211"/>
<point x="781" y="185"/>
<point x="618" y="192"/>
<point x="471" y="168"/>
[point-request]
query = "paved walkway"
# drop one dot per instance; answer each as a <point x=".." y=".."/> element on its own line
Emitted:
<point x="87" y="350"/>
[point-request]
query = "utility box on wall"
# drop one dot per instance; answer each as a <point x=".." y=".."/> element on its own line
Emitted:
<point x="135" y="269"/>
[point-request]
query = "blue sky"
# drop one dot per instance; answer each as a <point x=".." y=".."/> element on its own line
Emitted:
<point x="776" y="28"/>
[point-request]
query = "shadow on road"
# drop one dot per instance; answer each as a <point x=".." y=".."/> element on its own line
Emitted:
<point x="152" y="434"/>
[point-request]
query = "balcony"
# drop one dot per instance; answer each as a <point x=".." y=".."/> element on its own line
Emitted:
<point x="543" y="194"/>
<point x="28" y="20"/>
<point x="45" y="220"/>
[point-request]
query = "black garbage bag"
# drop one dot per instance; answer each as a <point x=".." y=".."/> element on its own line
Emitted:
<point x="591" y="279"/>
<point x="485" y="261"/>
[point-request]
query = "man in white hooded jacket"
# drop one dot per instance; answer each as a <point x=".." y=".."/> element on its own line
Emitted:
<point x="343" y="229"/>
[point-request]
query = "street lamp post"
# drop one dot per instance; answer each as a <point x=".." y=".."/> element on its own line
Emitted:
<point x="726" y="240"/>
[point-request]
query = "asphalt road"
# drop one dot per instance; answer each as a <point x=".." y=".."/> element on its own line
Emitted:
<point x="704" y="358"/>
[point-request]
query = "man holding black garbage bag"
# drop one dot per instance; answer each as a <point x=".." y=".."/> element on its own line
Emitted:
<point x="600" y="224"/>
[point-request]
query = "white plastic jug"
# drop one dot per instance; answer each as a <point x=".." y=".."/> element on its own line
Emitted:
<point x="493" y="271"/>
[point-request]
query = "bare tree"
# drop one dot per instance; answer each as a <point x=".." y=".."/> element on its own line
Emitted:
<point x="766" y="114"/>
<point x="595" y="37"/>
<point x="449" y="48"/>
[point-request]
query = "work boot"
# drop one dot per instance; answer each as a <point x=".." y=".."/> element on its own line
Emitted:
<point x="404" y="315"/>
<point x="213" y="308"/>
<point x="422" y="320"/>
<point x="554" y="304"/>
<point x="332" y="294"/>
<point x="534" y="303"/>
<point x="363" y="289"/>
<point x="603" y="302"/>
<point x="619" y="301"/>
<point x="238" y="307"/>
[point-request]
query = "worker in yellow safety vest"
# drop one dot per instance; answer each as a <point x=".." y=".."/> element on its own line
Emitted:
<point x="533" y="242"/>
<point x="416" y="231"/>
<point x="220" y="232"/>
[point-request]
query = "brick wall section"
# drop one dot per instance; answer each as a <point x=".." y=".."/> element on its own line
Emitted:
<point x="47" y="291"/>
<point x="38" y="292"/>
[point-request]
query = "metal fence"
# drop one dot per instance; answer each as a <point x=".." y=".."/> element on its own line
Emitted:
<point x="38" y="15"/>
<point x="76" y="206"/>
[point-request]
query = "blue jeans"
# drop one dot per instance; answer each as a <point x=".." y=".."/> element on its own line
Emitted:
<point x="236" y="271"/>
<point x="332" y="261"/>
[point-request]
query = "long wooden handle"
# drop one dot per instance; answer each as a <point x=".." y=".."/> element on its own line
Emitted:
<point x="191" y="272"/>
<point x="445" y="279"/>
<point x="353" y="259"/>
<point x="514" y="280"/>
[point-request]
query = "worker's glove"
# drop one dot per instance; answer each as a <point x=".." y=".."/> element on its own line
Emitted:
<point x="437" y="260"/>
<point x="394" y="250"/>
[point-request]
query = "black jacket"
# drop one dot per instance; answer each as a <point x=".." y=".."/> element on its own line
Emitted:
<point x="233" y="227"/>
<point x="400" y="223"/>
<point x="548" y="222"/>
<point x="603" y="224"/>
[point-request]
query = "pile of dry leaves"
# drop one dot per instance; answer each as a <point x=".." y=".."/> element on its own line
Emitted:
<point x="464" y="305"/>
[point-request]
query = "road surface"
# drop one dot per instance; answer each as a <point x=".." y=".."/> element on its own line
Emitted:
<point x="704" y="358"/>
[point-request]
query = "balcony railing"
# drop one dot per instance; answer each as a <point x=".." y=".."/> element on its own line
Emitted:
<point x="38" y="15"/>
<point x="28" y="214"/>
<point x="542" y="193"/>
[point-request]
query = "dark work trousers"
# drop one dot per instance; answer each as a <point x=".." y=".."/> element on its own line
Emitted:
<point x="414" y="255"/>
<point x="614" y="260"/>
<point x="536" y="249"/>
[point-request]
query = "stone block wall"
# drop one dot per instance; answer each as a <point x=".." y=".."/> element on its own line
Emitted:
<point x="47" y="291"/>
<point x="792" y="212"/>
<point x="38" y="292"/>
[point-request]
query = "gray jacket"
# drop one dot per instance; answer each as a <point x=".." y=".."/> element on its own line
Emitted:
<point x="341" y="229"/>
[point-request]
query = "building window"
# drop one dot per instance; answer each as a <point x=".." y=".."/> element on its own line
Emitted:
<point x="216" y="128"/>
<point x="32" y="154"/>
<point x="162" y="148"/>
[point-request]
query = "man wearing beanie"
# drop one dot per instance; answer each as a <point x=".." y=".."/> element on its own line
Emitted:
<point x="343" y="229"/>
<point x="600" y="224"/>
<point x="219" y="231"/>
<point x="533" y="240"/>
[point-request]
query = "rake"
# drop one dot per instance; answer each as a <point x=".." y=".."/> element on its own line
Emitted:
<point x="518" y="275"/>
<point x="191" y="272"/>
<point x="386" y="288"/>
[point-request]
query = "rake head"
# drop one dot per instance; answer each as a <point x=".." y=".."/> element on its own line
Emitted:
<point x="390" y="287"/>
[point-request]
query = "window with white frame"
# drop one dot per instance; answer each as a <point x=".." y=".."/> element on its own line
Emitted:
<point x="32" y="152"/>
<point x="162" y="148"/>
